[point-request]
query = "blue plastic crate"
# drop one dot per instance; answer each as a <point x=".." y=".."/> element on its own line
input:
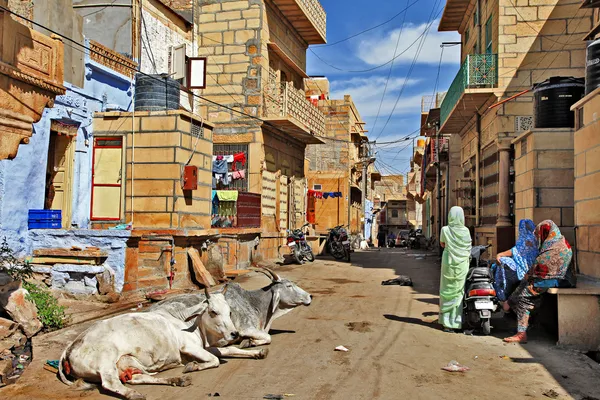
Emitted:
<point x="44" y="224"/>
<point x="43" y="215"/>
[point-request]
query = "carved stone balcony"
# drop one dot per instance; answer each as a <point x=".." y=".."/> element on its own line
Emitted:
<point x="288" y="109"/>
<point x="31" y="76"/>
<point x="308" y="18"/>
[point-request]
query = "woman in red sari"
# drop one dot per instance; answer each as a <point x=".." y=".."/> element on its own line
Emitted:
<point x="549" y="270"/>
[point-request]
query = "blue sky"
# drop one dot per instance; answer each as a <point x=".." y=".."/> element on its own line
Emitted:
<point x="378" y="46"/>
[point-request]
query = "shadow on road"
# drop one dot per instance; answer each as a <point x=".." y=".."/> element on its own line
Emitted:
<point x="410" y="320"/>
<point x="424" y="270"/>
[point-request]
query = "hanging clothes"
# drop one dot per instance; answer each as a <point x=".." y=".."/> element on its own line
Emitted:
<point x="228" y="195"/>
<point x="220" y="169"/>
<point x="228" y="158"/>
<point x="236" y="175"/>
<point x="239" y="158"/>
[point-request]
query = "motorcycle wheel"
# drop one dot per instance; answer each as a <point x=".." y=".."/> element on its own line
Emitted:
<point x="485" y="326"/>
<point x="298" y="255"/>
<point x="336" y="252"/>
<point x="308" y="253"/>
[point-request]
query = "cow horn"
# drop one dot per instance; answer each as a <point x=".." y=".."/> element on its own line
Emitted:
<point x="225" y="289"/>
<point x="206" y="293"/>
<point x="276" y="277"/>
<point x="262" y="271"/>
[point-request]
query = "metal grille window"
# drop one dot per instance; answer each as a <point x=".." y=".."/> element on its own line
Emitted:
<point x="229" y="150"/>
<point x="197" y="130"/>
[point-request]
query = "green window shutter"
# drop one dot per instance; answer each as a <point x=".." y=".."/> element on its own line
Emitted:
<point x="488" y="36"/>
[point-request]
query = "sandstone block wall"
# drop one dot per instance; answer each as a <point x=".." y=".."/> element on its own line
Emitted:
<point x="587" y="184"/>
<point x="544" y="169"/>
<point x="154" y="158"/>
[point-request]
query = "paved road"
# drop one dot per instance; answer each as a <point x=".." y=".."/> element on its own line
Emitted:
<point x="395" y="350"/>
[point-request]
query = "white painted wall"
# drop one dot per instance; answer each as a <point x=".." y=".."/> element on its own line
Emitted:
<point x="156" y="39"/>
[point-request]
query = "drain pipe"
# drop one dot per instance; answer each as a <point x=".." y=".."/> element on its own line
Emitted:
<point x="477" y="171"/>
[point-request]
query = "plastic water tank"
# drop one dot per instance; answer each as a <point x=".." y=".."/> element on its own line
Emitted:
<point x="592" y="67"/>
<point x="552" y="100"/>
<point x="156" y="93"/>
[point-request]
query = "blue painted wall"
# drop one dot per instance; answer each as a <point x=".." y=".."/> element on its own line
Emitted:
<point x="22" y="180"/>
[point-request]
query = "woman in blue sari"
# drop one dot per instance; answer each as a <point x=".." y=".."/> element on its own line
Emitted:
<point x="513" y="264"/>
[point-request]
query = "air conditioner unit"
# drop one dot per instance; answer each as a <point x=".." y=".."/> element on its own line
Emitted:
<point x="177" y="61"/>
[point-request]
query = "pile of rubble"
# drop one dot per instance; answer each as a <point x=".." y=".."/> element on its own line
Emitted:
<point x="72" y="271"/>
<point x="18" y="323"/>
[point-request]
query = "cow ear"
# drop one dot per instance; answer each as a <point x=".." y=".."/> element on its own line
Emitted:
<point x="274" y="301"/>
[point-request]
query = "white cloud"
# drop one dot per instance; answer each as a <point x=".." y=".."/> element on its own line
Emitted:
<point x="366" y="93"/>
<point x="379" y="49"/>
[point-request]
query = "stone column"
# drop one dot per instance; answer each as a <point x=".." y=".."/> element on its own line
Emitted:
<point x="503" y="182"/>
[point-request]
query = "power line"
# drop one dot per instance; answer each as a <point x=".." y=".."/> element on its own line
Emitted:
<point x="378" y="66"/>
<point x="119" y="62"/>
<point x="390" y="72"/>
<point x="371" y="28"/>
<point x="414" y="62"/>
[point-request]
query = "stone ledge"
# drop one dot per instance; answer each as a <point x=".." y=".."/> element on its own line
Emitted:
<point x="83" y="269"/>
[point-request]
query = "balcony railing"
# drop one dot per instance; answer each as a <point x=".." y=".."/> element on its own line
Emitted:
<point x="316" y="13"/>
<point x="313" y="13"/>
<point x="429" y="102"/>
<point x="478" y="71"/>
<point x="284" y="100"/>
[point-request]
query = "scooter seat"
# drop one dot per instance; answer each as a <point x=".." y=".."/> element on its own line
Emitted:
<point x="480" y="272"/>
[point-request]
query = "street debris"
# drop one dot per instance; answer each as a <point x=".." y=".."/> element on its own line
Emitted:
<point x="52" y="366"/>
<point x="454" y="366"/>
<point x="401" y="280"/>
<point x="505" y="357"/>
<point x="553" y="394"/>
<point x="274" y="396"/>
<point x="214" y="395"/>
<point x="361" y="327"/>
<point x="341" y="348"/>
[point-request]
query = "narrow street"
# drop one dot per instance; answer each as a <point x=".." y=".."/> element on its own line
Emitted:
<point x="395" y="351"/>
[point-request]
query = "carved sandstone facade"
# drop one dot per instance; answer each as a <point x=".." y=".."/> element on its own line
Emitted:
<point x="31" y="76"/>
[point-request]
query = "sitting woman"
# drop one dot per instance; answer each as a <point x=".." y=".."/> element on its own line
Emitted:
<point x="456" y="241"/>
<point x="513" y="264"/>
<point x="549" y="270"/>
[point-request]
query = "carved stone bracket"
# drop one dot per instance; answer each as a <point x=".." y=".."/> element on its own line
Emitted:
<point x="31" y="76"/>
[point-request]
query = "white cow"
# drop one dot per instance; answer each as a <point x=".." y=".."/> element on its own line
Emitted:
<point x="131" y="347"/>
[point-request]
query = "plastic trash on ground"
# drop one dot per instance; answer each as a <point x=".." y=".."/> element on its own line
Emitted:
<point x="341" y="348"/>
<point x="454" y="366"/>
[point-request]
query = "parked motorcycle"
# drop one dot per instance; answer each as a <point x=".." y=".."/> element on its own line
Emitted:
<point x="339" y="243"/>
<point x="414" y="239"/>
<point x="480" y="296"/>
<point x="298" y="245"/>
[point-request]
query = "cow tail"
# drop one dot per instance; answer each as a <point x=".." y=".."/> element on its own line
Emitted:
<point x="78" y="384"/>
<point x="61" y="373"/>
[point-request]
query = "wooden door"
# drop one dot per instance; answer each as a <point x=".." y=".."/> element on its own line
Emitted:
<point x="59" y="176"/>
<point x="107" y="179"/>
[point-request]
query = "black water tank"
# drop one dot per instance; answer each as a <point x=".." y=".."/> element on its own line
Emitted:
<point x="592" y="67"/>
<point x="552" y="100"/>
<point x="156" y="93"/>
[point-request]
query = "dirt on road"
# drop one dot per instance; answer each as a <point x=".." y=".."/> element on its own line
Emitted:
<point x="395" y="351"/>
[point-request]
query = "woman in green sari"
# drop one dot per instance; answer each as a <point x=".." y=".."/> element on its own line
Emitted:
<point x="456" y="241"/>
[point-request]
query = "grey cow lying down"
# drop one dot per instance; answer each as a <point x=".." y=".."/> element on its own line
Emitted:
<point x="252" y="312"/>
<point x="132" y="347"/>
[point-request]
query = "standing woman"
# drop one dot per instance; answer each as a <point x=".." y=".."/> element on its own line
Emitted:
<point x="456" y="241"/>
